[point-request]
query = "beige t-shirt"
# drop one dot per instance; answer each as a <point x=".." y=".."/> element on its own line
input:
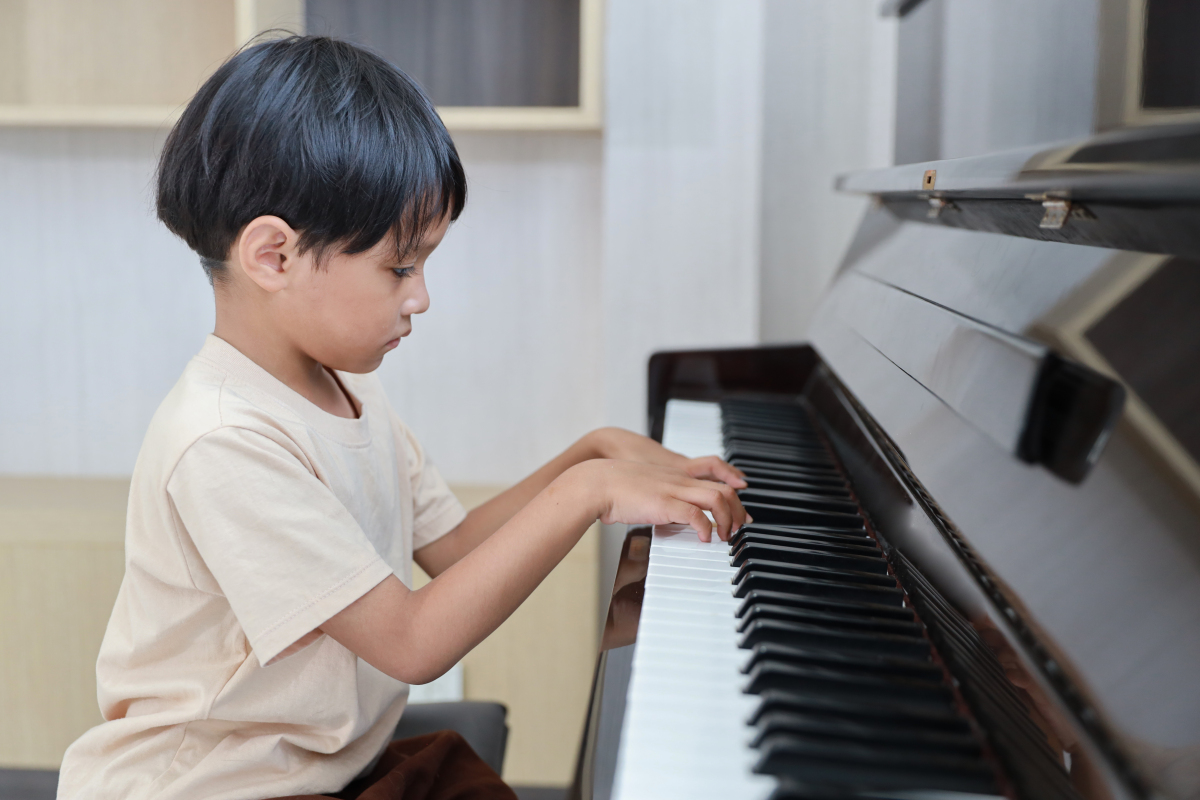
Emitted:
<point x="254" y="517"/>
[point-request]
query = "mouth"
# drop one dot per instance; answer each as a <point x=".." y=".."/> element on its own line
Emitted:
<point x="392" y="344"/>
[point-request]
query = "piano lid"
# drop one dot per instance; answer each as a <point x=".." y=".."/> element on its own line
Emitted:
<point x="1134" y="189"/>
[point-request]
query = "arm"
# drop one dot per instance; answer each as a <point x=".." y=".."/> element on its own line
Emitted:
<point x="610" y="443"/>
<point x="415" y="636"/>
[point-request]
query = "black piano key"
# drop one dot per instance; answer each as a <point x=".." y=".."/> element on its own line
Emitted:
<point x="797" y="485"/>
<point x="857" y="538"/>
<point x="796" y="554"/>
<point x="853" y="577"/>
<point x="845" y="683"/>
<point x="838" y="659"/>
<point x="798" y="634"/>
<point x="814" y="502"/>
<point x="866" y="609"/>
<point x="774" y="469"/>
<point x="835" y="590"/>
<point x="832" y="485"/>
<point x="769" y="432"/>
<point x="779" y="469"/>
<point x="832" y="619"/>
<point x="794" y="425"/>
<point x="785" y="453"/>
<point x="803" y="543"/>
<point x="891" y="710"/>
<point x="770" y="514"/>
<point x="864" y="767"/>
<point x="844" y="660"/>
<point x="763" y="436"/>
<point x="894" y="736"/>
<point x="764" y="410"/>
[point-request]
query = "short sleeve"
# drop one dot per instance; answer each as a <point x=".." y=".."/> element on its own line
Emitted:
<point x="436" y="511"/>
<point x="283" y="549"/>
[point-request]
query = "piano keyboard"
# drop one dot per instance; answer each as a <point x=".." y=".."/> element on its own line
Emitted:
<point x="787" y="662"/>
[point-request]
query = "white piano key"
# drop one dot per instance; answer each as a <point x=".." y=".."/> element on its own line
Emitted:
<point x="685" y="734"/>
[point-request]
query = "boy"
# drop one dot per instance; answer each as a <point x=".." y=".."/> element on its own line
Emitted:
<point x="264" y="632"/>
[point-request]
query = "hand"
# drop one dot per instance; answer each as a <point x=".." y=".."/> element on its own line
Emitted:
<point x="620" y="444"/>
<point x="648" y="494"/>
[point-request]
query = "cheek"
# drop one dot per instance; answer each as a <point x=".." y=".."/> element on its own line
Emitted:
<point x="349" y="311"/>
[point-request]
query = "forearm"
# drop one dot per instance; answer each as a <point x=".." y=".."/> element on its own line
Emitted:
<point x="425" y="632"/>
<point x="489" y="517"/>
<point x="415" y="636"/>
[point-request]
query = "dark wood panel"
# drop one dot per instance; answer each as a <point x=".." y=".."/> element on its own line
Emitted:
<point x="1152" y="339"/>
<point x="1170" y="58"/>
<point x="467" y="52"/>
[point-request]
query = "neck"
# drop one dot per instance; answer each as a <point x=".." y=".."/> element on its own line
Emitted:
<point x="251" y="332"/>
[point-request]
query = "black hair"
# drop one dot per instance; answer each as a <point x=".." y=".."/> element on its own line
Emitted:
<point x="328" y="136"/>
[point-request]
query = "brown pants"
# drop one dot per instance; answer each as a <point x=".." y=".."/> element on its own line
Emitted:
<point x="437" y="766"/>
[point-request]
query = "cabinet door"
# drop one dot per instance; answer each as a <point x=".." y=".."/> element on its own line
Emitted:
<point x="484" y="63"/>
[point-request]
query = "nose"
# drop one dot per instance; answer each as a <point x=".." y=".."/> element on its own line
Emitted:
<point x="418" y="301"/>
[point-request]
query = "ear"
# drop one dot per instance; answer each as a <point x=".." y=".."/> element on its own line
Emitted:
<point x="267" y="251"/>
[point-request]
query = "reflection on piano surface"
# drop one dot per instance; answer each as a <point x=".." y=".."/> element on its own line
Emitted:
<point x="965" y="576"/>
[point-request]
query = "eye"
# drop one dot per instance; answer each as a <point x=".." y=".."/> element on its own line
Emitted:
<point x="403" y="272"/>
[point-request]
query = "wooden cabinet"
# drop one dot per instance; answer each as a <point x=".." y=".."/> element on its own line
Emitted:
<point x="486" y="64"/>
<point x="136" y="63"/>
<point x="118" y="62"/>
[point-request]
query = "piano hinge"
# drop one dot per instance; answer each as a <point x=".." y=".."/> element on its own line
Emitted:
<point x="1058" y="209"/>
<point x="1056" y="213"/>
<point x="937" y="205"/>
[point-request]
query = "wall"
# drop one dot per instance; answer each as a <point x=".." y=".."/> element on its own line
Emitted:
<point x="977" y="76"/>
<point x="681" y="185"/>
<point x="1016" y="72"/>
<point x="102" y="307"/>
<point x="827" y="109"/>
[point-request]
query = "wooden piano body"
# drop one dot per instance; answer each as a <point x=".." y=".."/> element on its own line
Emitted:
<point x="1007" y="367"/>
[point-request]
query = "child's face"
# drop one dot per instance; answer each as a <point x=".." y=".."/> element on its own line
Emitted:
<point x="352" y="310"/>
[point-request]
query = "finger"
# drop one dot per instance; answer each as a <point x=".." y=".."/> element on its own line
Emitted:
<point x="737" y="510"/>
<point x="715" y="468"/>
<point x="709" y="496"/>
<point x="737" y="513"/>
<point x="722" y="511"/>
<point x="685" y="513"/>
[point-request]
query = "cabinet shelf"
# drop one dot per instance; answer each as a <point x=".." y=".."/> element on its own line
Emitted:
<point x="68" y="63"/>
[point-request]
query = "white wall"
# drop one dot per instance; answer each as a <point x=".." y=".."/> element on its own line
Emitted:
<point x="828" y="108"/>
<point x="681" y="185"/>
<point x="100" y="307"/>
<point x="1016" y="72"/>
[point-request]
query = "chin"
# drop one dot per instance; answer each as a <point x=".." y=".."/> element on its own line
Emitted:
<point x="356" y="366"/>
<point x="369" y="365"/>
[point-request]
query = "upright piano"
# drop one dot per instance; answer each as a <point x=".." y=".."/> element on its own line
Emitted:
<point x="974" y="566"/>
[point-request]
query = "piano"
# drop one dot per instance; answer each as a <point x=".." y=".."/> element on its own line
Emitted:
<point x="974" y="566"/>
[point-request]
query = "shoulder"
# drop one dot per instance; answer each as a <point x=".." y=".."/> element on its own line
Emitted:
<point x="211" y="404"/>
